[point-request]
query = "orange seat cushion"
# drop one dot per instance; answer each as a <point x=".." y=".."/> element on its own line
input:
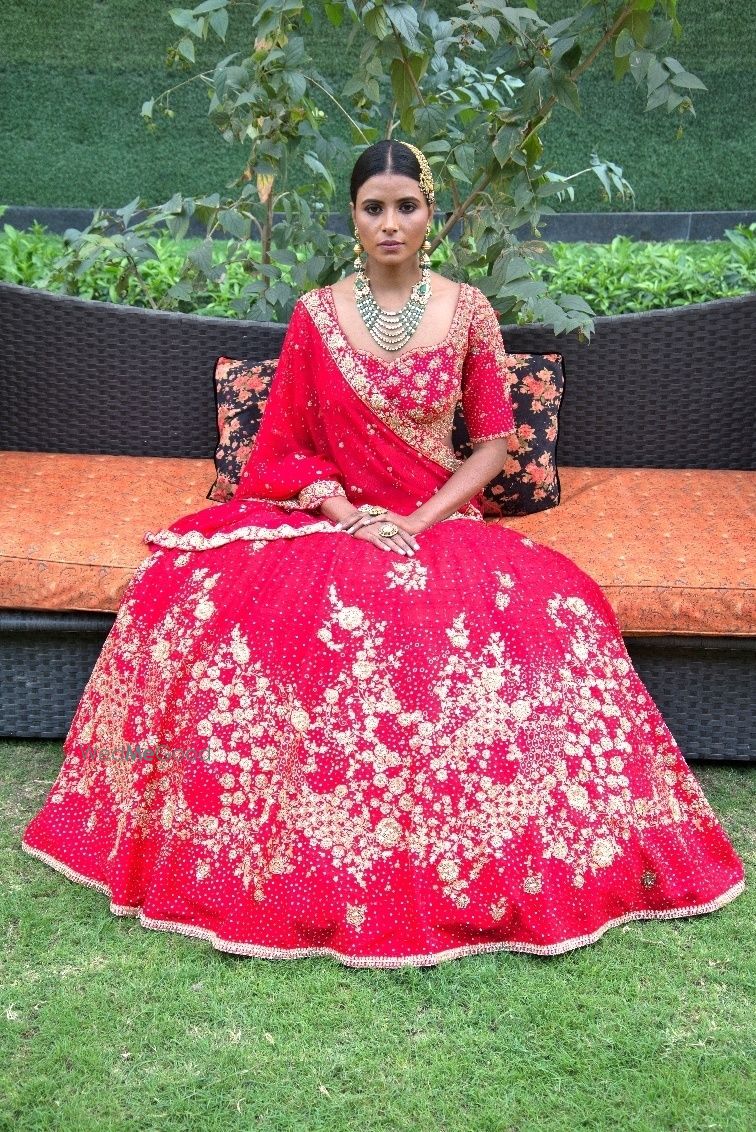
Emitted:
<point x="672" y="549"/>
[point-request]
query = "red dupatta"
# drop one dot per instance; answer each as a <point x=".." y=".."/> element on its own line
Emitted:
<point x="339" y="421"/>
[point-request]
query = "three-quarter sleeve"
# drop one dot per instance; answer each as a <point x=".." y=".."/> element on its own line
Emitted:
<point x="486" y="399"/>
<point x="284" y="463"/>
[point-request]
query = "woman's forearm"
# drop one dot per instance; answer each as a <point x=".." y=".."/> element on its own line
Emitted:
<point x="336" y="508"/>
<point x="476" y="471"/>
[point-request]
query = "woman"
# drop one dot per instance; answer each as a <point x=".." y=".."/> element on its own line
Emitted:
<point x="340" y="714"/>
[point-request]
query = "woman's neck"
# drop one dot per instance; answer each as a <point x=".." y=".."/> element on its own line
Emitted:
<point x="392" y="284"/>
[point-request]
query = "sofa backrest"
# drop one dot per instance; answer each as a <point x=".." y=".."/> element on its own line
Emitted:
<point x="670" y="388"/>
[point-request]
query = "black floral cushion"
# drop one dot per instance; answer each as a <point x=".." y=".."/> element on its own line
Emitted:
<point x="241" y="390"/>
<point x="529" y="480"/>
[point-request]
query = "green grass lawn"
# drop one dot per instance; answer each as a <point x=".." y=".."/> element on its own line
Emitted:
<point x="106" y="1025"/>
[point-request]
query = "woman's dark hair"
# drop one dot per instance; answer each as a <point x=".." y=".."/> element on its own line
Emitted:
<point x="385" y="156"/>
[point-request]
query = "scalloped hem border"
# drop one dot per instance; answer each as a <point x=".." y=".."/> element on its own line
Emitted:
<point x="259" y="951"/>
<point x="195" y="540"/>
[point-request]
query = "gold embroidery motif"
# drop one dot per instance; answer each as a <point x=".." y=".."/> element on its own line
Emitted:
<point x="564" y="730"/>
<point x="410" y="575"/>
<point x="355" y="915"/>
<point x="314" y="493"/>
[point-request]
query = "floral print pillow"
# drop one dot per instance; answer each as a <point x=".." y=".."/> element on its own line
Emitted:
<point x="241" y="390"/>
<point x="529" y="480"/>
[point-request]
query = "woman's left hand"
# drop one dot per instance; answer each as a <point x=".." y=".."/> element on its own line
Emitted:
<point x="408" y="527"/>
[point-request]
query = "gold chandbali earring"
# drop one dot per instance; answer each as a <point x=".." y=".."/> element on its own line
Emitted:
<point x="425" y="258"/>
<point x="358" y="250"/>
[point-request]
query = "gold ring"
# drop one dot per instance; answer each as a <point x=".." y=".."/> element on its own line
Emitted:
<point x="372" y="509"/>
<point x="388" y="529"/>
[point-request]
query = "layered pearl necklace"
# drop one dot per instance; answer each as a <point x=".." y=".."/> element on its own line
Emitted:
<point x="392" y="329"/>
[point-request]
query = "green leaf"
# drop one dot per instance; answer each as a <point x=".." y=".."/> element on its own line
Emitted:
<point x="403" y="17"/>
<point x="685" y="79"/>
<point x="465" y="158"/>
<point x="297" y="84"/>
<point x="335" y="14"/>
<point x="312" y="162"/>
<point x="183" y="18"/>
<point x="658" y="97"/>
<point x="401" y="84"/>
<point x="180" y="290"/>
<point x="128" y="211"/>
<point x="219" y="23"/>
<point x="505" y="141"/>
<point x="567" y="93"/>
<point x="430" y="120"/>
<point x="657" y="74"/>
<point x="576" y="303"/>
<point x="458" y="174"/>
<point x="178" y="226"/>
<point x="624" y="43"/>
<point x="490" y="25"/>
<point x="209" y="6"/>
<point x="202" y="256"/>
<point x="186" y="48"/>
<point x="234" y="223"/>
<point x="376" y="23"/>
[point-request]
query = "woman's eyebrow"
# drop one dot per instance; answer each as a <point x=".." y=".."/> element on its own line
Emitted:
<point x="379" y="200"/>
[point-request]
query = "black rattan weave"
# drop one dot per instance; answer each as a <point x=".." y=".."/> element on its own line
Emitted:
<point x="664" y="389"/>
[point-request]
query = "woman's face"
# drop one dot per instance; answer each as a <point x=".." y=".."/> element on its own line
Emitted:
<point x="391" y="216"/>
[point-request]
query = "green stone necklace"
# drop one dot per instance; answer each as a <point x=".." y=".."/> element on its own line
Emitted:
<point x="391" y="329"/>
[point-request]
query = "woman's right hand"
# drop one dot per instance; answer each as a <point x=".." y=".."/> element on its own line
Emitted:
<point x="366" y="527"/>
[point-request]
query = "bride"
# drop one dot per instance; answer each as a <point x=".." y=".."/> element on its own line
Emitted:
<point x="341" y="715"/>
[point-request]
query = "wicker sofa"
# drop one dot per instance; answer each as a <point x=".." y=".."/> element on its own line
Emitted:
<point x="108" y="430"/>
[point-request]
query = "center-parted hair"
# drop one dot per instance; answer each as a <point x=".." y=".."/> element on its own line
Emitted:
<point x="384" y="156"/>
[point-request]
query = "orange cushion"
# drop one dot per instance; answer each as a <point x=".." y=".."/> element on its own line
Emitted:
<point x="71" y="526"/>
<point x="672" y="549"/>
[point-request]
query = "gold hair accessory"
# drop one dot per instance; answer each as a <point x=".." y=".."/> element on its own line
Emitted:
<point x="426" y="177"/>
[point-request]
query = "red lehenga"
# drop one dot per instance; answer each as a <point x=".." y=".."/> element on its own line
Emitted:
<point x="294" y="743"/>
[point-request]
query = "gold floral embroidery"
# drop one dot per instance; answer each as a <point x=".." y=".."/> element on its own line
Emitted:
<point x="314" y="493"/>
<point x="355" y="915"/>
<point x="498" y="909"/>
<point x="565" y="730"/>
<point x="410" y="575"/>
<point x="491" y="436"/>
